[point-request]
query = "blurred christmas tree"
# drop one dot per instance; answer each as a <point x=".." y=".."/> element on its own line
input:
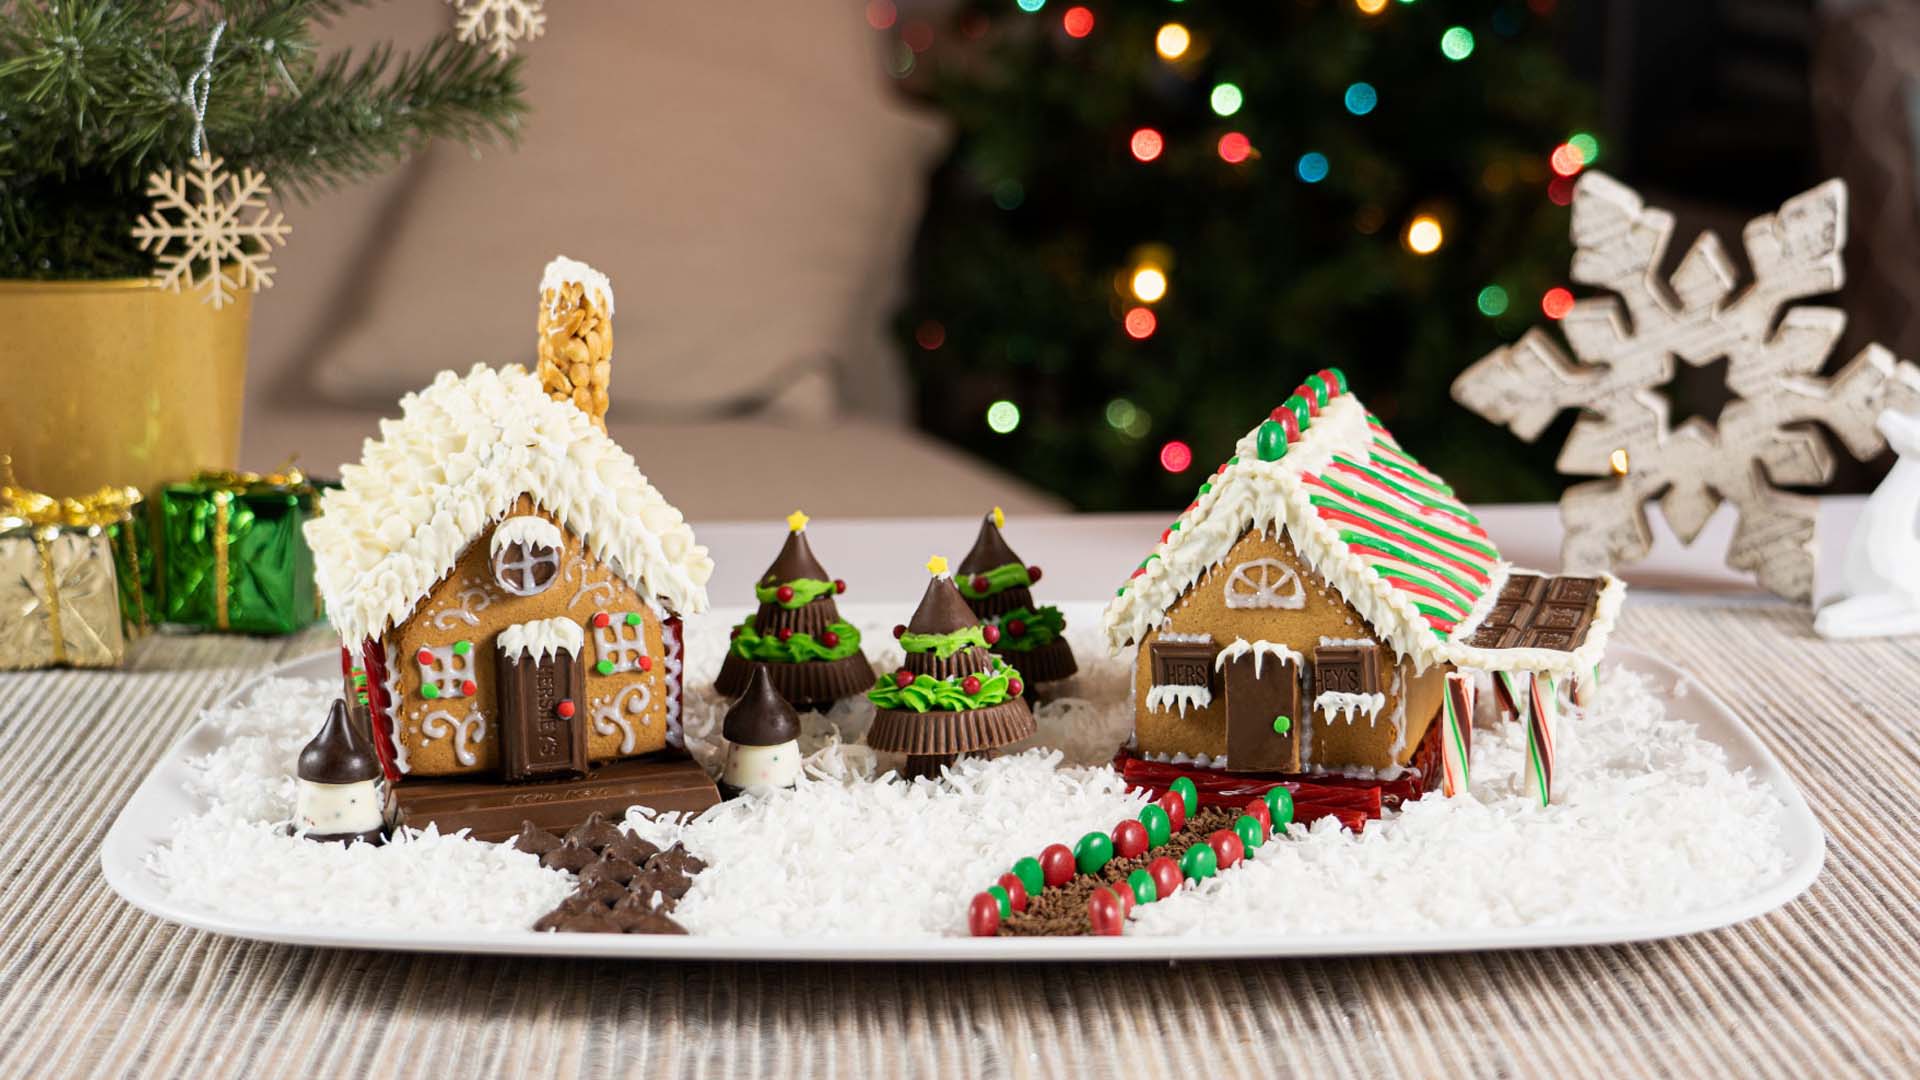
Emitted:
<point x="1159" y="216"/>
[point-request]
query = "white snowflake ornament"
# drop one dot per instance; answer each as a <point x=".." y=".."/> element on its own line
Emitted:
<point x="1627" y="345"/>
<point x="498" y="24"/>
<point x="224" y="228"/>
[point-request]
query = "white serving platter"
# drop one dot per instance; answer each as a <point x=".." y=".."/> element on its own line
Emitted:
<point x="162" y="799"/>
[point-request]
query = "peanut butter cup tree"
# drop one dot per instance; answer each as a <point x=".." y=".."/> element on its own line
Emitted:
<point x="951" y="696"/>
<point x="811" y="655"/>
<point x="998" y="585"/>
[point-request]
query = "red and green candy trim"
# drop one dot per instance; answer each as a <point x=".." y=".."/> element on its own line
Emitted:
<point x="1157" y="823"/>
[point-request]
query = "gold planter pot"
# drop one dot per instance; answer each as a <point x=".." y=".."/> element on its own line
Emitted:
<point x="118" y="382"/>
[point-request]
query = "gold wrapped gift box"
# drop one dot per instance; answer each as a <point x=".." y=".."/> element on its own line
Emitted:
<point x="59" y="590"/>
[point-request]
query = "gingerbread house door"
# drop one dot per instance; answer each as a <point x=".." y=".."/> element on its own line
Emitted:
<point x="1263" y="713"/>
<point x="543" y="730"/>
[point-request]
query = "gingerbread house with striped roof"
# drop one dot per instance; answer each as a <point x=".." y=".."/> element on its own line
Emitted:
<point x="1302" y="614"/>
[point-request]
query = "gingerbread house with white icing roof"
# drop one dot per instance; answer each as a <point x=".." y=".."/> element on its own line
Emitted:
<point x="1302" y="614"/>
<point x="509" y="582"/>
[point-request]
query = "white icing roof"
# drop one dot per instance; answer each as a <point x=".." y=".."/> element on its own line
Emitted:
<point x="461" y="452"/>
<point x="1379" y="527"/>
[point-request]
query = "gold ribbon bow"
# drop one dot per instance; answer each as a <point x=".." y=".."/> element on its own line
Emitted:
<point x="46" y="516"/>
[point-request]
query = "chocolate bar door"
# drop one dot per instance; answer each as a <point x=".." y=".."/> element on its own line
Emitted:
<point x="543" y="719"/>
<point x="1263" y="714"/>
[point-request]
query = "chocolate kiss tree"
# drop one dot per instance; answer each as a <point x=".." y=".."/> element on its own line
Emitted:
<point x="952" y="696"/>
<point x="811" y="655"/>
<point x="997" y="584"/>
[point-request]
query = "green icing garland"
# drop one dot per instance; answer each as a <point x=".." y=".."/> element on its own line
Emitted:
<point x="928" y="694"/>
<point x="944" y="645"/>
<point x="750" y="644"/>
<point x="1012" y="575"/>
<point x="805" y="591"/>
<point x="1044" y="627"/>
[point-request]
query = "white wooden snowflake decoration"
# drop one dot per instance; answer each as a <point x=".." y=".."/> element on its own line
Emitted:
<point x="498" y="24"/>
<point x="1627" y="344"/>
<point x="223" y="226"/>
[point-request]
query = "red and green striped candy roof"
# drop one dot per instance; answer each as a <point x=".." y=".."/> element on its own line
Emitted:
<point x="1390" y="511"/>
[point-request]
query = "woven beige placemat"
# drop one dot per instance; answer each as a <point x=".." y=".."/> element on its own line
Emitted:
<point x="1827" y="986"/>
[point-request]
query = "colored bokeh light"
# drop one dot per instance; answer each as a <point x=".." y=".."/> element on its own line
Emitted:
<point x="1424" y="235"/>
<point x="1003" y="416"/>
<point x="1172" y="41"/>
<point x="881" y="14"/>
<point x="1149" y="284"/>
<point x="1009" y="194"/>
<point x="1560" y="191"/>
<point x="1361" y="98"/>
<point x="1120" y="414"/>
<point x="1456" y="43"/>
<point x="1146" y="144"/>
<point x="930" y="335"/>
<point x="1567" y="160"/>
<point x="1370" y="7"/>
<point x="1031" y="6"/>
<point x="1556" y="303"/>
<point x="1235" y="148"/>
<point x="1077" y="22"/>
<point x="1588" y="146"/>
<point x="1140" y="323"/>
<point x="1226" y="99"/>
<point x="1175" y="456"/>
<point x="918" y="34"/>
<point x="1492" y="301"/>
<point x="1312" y="167"/>
<point x="900" y="64"/>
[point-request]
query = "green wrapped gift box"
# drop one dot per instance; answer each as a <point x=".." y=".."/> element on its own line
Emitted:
<point x="233" y="556"/>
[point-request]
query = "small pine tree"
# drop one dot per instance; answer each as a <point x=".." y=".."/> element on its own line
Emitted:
<point x="1270" y="159"/>
<point x="94" y="95"/>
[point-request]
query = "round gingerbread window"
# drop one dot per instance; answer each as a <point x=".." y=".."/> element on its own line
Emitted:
<point x="526" y="555"/>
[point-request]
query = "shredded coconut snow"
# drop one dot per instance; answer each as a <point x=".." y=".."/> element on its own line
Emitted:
<point x="1648" y="821"/>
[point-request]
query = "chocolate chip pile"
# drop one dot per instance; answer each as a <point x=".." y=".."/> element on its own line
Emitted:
<point x="627" y="885"/>
<point x="1062" y="911"/>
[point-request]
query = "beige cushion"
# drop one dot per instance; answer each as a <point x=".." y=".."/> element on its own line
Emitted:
<point x="744" y="172"/>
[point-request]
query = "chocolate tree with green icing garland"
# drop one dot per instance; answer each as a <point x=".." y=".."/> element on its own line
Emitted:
<point x="811" y="655"/>
<point x="951" y="696"/>
<point x="997" y="584"/>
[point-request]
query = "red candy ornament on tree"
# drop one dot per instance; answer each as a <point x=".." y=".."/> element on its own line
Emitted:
<point x="970" y="685"/>
<point x="829" y="638"/>
<point x="786" y="633"/>
<point x="839" y="586"/>
<point x="903" y="678"/>
<point x="784" y="594"/>
<point x="980" y="583"/>
<point x="991" y="634"/>
<point x="1129" y="839"/>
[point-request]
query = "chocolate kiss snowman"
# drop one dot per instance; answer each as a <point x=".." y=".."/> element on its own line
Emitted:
<point x="764" y="736"/>
<point x="337" y="783"/>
